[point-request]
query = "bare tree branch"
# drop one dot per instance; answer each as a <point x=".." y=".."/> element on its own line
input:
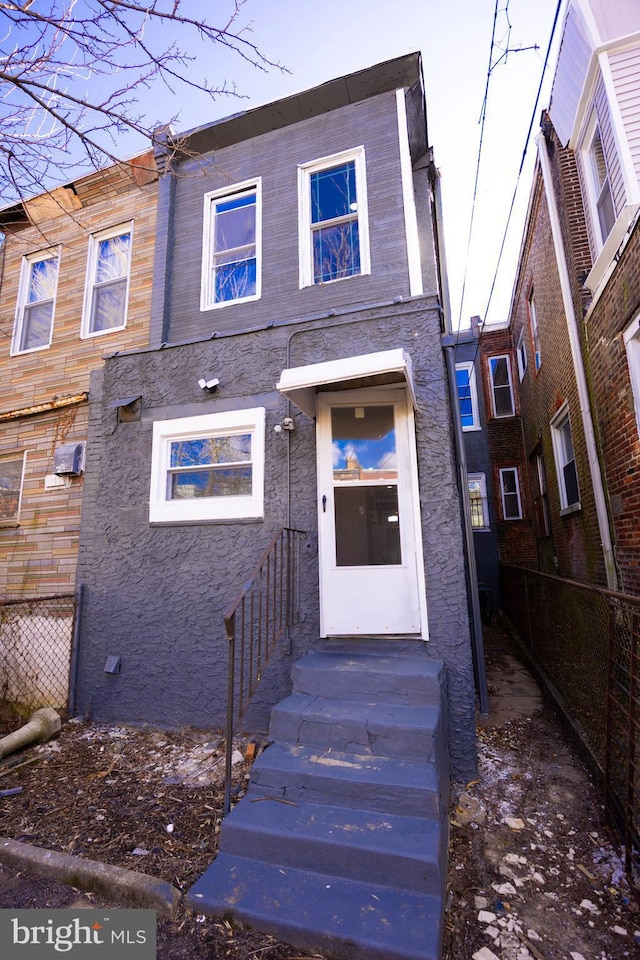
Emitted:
<point x="72" y="73"/>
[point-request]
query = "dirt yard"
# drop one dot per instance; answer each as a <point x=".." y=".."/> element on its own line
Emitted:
<point x="532" y="872"/>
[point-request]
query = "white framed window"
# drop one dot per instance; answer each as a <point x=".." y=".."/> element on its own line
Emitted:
<point x="33" y="325"/>
<point x="631" y="336"/>
<point x="565" y="459"/>
<point x="232" y="245"/>
<point x="467" y="396"/>
<point x="333" y="218"/>
<point x="478" y="500"/>
<point x="598" y="184"/>
<point x="510" y="493"/>
<point x="535" y="333"/>
<point x="542" y="497"/>
<point x="521" y="353"/>
<point x="12" y="467"/>
<point x="209" y="467"/>
<point x="107" y="285"/>
<point x="501" y="387"/>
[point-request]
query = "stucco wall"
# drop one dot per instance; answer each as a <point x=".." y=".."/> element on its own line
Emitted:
<point x="155" y="596"/>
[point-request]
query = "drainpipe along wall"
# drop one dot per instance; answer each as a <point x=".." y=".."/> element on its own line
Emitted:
<point x="578" y="367"/>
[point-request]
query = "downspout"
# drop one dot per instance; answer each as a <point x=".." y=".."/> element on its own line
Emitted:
<point x="477" y="643"/>
<point x="578" y="368"/>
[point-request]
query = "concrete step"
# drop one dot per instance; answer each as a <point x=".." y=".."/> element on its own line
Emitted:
<point x="363" y="672"/>
<point x="319" y="912"/>
<point x="380" y="729"/>
<point x="386" y="784"/>
<point x="403" y="852"/>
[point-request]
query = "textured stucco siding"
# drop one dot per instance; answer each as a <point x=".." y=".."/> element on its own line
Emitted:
<point x="275" y="157"/>
<point x="156" y="595"/>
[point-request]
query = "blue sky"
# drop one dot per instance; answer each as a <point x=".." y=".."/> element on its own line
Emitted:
<point x="319" y="41"/>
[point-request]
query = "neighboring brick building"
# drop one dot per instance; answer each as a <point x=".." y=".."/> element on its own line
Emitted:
<point x="76" y="282"/>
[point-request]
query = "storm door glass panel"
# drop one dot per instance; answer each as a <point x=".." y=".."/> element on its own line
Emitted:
<point x="210" y="467"/>
<point x="365" y="477"/>
<point x="334" y="223"/>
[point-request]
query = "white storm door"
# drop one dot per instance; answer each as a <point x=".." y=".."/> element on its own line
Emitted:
<point x="368" y="508"/>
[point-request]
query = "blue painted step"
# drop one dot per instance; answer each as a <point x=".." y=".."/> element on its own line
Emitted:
<point x="405" y="852"/>
<point x="335" y="916"/>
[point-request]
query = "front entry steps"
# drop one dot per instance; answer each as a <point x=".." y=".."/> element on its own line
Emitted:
<point x="340" y="845"/>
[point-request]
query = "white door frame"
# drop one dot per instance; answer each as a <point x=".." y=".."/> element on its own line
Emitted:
<point x="413" y="564"/>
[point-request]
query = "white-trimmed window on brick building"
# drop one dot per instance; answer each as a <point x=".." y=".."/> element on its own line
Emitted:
<point x="478" y="501"/>
<point x="12" y="466"/>
<point x="208" y="467"/>
<point x="33" y="327"/>
<point x="521" y="353"/>
<point x="107" y="282"/>
<point x="501" y="386"/>
<point x="510" y="493"/>
<point x="631" y="336"/>
<point x="535" y="333"/>
<point x="467" y="396"/>
<point x="565" y="459"/>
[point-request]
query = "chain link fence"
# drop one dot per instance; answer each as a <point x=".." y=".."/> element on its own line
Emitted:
<point x="585" y="643"/>
<point x="36" y="649"/>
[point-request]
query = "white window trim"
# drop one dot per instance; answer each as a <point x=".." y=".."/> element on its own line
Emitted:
<point x="521" y="353"/>
<point x="502" y="416"/>
<point x="207" y="301"/>
<point x="304" y="213"/>
<point x="203" y="509"/>
<point x="556" y="424"/>
<point x="481" y="480"/>
<point x="92" y="261"/>
<point x="631" y="337"/>
<point x="591" y="188"/>
<point x="469" y="366"/>
<point x="515" y="471"/>
<point x="23" y="291"/>
<point x="15" y="521"/>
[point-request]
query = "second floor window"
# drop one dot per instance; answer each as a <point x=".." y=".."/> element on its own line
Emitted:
<point x="36" y="302"/>
<point x="334" y="240"/>
<point x="478" y="501"/>
<point x="510" y="493"/>
<point x="107" y="288"/>
<point x="501" y="391"/>
<point x="231" y="247"/>
<point x="599" y="178"/>
<point x="535" y="335"/>
<point x="565" y="460"/>
<point x="521" y="350"/>
<point x="467" y="396"/>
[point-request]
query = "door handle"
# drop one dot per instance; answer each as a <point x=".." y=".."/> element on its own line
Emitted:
<point x="324" y="503"/>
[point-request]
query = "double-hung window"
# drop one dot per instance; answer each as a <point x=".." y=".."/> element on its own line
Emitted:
<point x="631" y="336"/>
<point x="565" y="460"/>
<point x="231" y="249"/>
<point x="510" y="493"/>
<point x="11" y="480"/>
<point x="599" y="184"/>
<point x="334" y="229"/>
<point x="535" y="334"/>
<point x="36" y="302"/>
<point x="107" y="285"/>
<point x="208" y="467"/>
<point x="478" y="501"/>
<point x="521" y="352"/>
<point x="501" y="390"/>
<point x="467" y="396"/>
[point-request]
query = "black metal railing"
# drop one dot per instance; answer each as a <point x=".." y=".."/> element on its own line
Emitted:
<point x="585" y="643"/>
<point x="264" y="609"/>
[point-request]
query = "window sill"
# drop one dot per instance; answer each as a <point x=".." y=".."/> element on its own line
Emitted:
<point x="573" y="508"/>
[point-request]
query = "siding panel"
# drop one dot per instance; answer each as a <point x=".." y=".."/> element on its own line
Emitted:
<point x="625" y="69"/>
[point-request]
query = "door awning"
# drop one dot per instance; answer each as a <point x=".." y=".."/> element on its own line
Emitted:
<point x="302" y="384"/>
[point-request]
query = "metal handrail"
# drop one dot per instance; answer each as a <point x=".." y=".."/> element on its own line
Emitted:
<point x="264" y="609"/>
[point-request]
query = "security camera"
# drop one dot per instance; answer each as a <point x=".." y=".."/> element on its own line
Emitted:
<point x="208" y="384"/>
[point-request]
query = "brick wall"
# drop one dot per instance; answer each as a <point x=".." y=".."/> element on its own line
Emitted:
<point x="39" y="556"/>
